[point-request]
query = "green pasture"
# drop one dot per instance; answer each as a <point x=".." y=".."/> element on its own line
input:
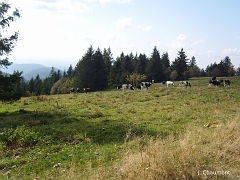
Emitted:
<point x="36" y="133"/>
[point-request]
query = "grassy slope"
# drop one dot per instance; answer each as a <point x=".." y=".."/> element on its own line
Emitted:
<point x="153" y="134"/>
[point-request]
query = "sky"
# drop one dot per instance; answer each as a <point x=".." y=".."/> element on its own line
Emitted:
<point x="59" y="32"/>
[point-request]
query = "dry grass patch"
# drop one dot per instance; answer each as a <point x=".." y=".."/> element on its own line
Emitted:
<point x="186" y="156"/>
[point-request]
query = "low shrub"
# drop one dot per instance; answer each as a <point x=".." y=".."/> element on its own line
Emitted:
<point x="22" y="136"/>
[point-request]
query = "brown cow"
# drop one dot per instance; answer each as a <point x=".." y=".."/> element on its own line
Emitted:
<point x="86" y="90"/>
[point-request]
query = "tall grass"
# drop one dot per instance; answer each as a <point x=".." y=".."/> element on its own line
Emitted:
<point x="198" y="153"/>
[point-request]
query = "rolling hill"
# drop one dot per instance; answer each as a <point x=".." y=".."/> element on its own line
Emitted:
<point x="30" y="70"/>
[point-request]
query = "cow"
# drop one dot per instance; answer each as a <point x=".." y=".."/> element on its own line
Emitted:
<point x="185" y="83"/>
<point x="86" y="90"/>
<point x="125" y="86"/>
<point x="227" y="83"/>
<point x="145" y="85"/>
<point x="214" y="78"/>
<point x="77" y="90"/>
<point x="170" y="83"/>
<point x="72" y="90"/>
<point x="164" y="82"/>
<point x="214" y="83"/>
<point x="138" y="87"/>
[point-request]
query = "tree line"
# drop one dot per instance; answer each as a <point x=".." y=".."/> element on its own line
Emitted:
<point x="99" y="70"/>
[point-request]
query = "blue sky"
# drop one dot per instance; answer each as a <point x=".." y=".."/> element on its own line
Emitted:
<point x="58" y="32"/>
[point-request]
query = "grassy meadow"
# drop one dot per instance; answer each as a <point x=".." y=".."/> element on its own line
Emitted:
<point x="161" y="133"/>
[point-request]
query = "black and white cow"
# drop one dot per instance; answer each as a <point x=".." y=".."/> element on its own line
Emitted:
<point x="145" y="85"/>
<point x="77" y="90"/>
<point x="169" y="83"/>
<point x="185" y="84"/>
<point x="227" y="83"/>
<point x="214" y="78"/>
<point x="125" y="86"/>
<point x="164" y="82"/>
<point x="138" y="87"/>
<point x="214" y="83"/>
<point x="72" y="90"/>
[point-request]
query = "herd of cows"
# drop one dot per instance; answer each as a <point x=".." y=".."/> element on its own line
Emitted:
<point x="146" y="85"/>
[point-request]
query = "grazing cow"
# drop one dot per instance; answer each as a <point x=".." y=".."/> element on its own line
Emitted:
<point x="214" y="78"/>
<point x="169" y="83"/>
<point x="145" y="85"/>
<point x="164" y="82"/>
<point x="119" y="86"/>
<point x="138" y="87"/>
<point x="77" y="90"/>
<point x="86" y="90"/>
<point x="184" y="83"/>
<point x="125" y="86"/>
<point x="214" y="83"/>
<point x="226" y="83"/>
<point x="72" y="90"/>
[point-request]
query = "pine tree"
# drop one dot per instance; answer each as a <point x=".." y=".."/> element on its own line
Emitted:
<point x="165" y="66"/>
<point x="7" y="44"/>
<point x="141" y="64"/>
<point x="90" y="71"/>
<point x="100" y="75"/>
<point x="83" y="70"/>
<point x="180" y="64"/>
<point x="154" y="70"/>
<point x="70" y="71"/>
<point x="115" y="73"/>
<point x="38" y="88"/>
<point x="108" y="60"/>
<point x="193" y="69"/>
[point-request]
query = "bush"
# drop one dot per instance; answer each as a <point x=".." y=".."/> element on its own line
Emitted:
<point x="28" y="94"/>
<point x="22" y="136"/>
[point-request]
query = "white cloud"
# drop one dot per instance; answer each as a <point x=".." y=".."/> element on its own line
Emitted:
<point x="147" y="28"/>
<point x="144" y="28"/>
<point x="231" y="51"/>
<point x="63" y="6"/>
<point x="116" y="1"/>
<point x="124" y="23"/>
<point x="211" y="53"/>
<point x="131" y="45"/>
<point x="183" y="42"/>
<point x="181" y="37"/>
<point x="109" y="37"/>
<point x="86" y="36"/>
<point x="157" y="43"/>
<point x="197" y="42"/>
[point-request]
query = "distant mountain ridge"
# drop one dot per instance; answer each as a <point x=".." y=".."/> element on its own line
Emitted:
<point x="31" y="70"/>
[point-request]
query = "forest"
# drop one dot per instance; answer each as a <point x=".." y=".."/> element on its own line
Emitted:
<point x="100" y="71"/>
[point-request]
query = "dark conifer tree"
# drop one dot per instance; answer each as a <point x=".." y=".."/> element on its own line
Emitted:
<point x="70" y="71"/>
<point x="31" y="85"/>
<point x="181" y="65"/>
<point x="115" y="73"/>
<point x="141" y="64"/>
<point x="108" y="60"/>
<point x="90" y="71"/>
<point x="7" y="44"/>
<point x="38" y="88"/>
<point x="165" y="66"/>
<point x="154" y="70"/>
<point x="100" y="80"/>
